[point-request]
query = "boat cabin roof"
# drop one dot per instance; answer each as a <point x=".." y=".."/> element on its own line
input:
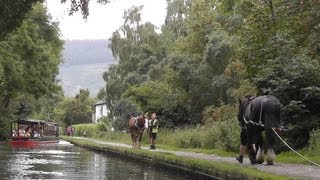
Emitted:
<point x="34" y="121"/>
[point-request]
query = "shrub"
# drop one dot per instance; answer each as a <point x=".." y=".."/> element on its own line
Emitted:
<point x="222" y="135"/>
<point x="105" y="123"/>
<point x="84" y="129"/>
<point x="100" y="126"/>
<point x="297" y="86"/>
<point x="214" y="114"/>
<point x="90" y="129"/>
<point x="314" y="142"/>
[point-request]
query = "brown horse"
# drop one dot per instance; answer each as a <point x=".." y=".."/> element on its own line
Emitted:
<point x="136" y="127"/>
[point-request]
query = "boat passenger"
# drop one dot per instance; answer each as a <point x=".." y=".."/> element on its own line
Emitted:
<point x="28" y="132"/>
<point x="14" y="133"/>
<point x="41" y="131"/>
<point x="22" y="132"/>
<point x="36" y="134"/>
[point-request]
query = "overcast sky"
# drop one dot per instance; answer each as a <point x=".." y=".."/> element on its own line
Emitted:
<point x="103" y="19"/>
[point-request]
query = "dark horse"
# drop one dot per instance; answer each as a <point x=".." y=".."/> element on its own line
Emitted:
<point x="257" y="114"/>
<point x="136" y="127"/>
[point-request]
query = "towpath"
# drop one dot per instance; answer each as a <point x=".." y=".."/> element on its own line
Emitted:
<point x="294" y="170"/>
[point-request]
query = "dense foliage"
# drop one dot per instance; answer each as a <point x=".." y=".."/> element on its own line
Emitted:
<point x="12" y="14"/>
<point x="210" y="52"/>
<point x="90" y="130"/>
<point x="77" y="110"/>
<point x="314" y="143"/>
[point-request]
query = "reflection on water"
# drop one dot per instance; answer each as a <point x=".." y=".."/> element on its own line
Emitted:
<point x="65" y="161"/>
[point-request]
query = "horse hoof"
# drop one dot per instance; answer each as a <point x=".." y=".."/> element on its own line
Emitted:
<point x="252" y="159"/>
<point x="269" y="162"/>
<point x="253" y="162"/>
<point x="260" y="161"/>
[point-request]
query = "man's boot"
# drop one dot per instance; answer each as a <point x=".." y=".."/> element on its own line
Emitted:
<point x="240" y="159"/>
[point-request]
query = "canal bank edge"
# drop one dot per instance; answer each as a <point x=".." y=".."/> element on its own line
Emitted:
<point x="192" y="165"/>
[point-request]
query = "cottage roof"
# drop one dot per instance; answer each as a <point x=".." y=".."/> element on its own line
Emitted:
<point x="100" y="102"/>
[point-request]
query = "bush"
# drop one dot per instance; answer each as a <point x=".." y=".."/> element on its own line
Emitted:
<point x="106" y="122"/>
<point x="314" y="142"/>
<point x="297" y="87"/>
<point x="216" y="114"/>
<point x="101" y="127"/>
<point x="90" y="129"/>
<point x="84" y="129"/>
<point x="221" y="135"/>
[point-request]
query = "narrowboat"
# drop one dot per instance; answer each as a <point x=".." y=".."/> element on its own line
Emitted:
<point x="31" y="132"/>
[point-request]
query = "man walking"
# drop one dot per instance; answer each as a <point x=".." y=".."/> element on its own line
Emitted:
<point x="243" y="133"/>
<point x="153" y="130"/>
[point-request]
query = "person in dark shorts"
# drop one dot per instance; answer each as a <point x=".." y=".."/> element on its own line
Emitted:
<point x="243" y="135"/>
<point x="153" y="130"/>
<point x="243" y="145"/>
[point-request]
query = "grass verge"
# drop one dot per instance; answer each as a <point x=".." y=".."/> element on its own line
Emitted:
<point x="217" y="169"/>
<point x="291" y="157"/>
<point x="164" y="143"/>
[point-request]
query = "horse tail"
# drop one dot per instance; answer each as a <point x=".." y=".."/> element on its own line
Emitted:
<point x="272" y="116"/>
<point x="272" y="120"/>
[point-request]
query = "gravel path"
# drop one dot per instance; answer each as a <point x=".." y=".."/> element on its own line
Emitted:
<point x="294" y="170"/>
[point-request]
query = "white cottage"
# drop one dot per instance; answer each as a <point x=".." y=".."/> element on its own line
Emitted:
<point x="100" y="110"/>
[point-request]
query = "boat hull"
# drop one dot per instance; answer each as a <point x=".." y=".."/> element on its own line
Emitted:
<point x="31" y="142"/>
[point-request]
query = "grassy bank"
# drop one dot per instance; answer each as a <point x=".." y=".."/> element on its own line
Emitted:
<point x="167" y="139"/>
<point x="164" y="139"/>
<point x="220" y="137"/>
<point x="222" y="170"/>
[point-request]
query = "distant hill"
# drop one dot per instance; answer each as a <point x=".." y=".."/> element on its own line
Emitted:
<point x="84" y="63"/>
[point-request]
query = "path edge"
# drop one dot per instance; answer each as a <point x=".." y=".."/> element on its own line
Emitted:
<point x="202" y="168"/>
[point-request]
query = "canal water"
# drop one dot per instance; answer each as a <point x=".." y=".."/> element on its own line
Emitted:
<point x="66" y="161"/>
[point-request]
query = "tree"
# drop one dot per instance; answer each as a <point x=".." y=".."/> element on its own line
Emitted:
<point x="211" y="51"/>
<point x="190" y="58"/>
<point x="136" y="46"/>
<point x="167" y="102"/>
<point x="77" y="110"/>
<point x="82" y="6"/>
<point x="123" y="111"/>
<point x="10" y="21"/>
<point x="280" y="52"/>
<point x="13" y="12"/>
<point x="101" y="94"/>
<point x="30" y="55"/>
<point x="29" y="58"/>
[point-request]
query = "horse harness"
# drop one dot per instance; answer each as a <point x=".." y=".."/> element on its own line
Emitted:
<point x="251" y="100"/>
<point x="136" y="124"/>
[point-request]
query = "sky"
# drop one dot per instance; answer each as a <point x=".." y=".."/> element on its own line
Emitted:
<point x="103" y="20"/>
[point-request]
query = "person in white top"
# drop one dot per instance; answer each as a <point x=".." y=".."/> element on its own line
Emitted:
<point x="22" y="132"/>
